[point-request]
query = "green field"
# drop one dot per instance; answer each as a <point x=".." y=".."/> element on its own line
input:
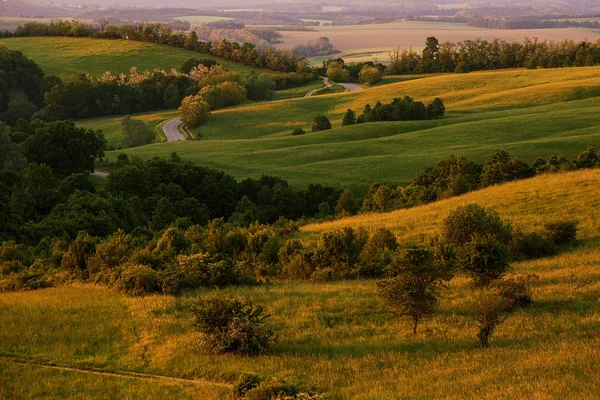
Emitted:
<point x="528" y="113"/>
<point x="336" y="337"/>
<point x="70" y="57"/>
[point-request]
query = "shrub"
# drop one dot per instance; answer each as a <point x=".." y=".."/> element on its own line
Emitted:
<point x="464" y="222"/>
<point x="561" y="232"/>
<point x="516" y="290"/>
<point x="233" y="326"/>
<point x="321" y="123"/>
<point x="489" y="310"/>
<point x="340" y="251"/>
<point x="525" y="246"/>
<point x="298" y="131"/>
<point x="30" y="279"/>
<point x="484" y="259"/>
<point x="138" y="280"/>
<point x="245" y="383"/>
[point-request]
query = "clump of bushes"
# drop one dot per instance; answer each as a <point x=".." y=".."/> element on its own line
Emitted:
<point x="321" y="123"/>
<point x="231" y="325"/>
<point x="405" y="109"/>
<point x="138" y="280"/>
<point x="298" y="131"/>
<point x="251" y="387"/>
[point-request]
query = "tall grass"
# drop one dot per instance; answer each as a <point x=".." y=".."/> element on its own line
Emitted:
<point x="338" y="336"/>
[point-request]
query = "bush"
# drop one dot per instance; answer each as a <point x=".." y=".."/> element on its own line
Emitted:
<point x="561" y="232"/>
<point x="298" y="131"/>
<point x="489" y="310"/>
<point x="526" y="246"/>
<point x="321" y="123"/>
<point x="233" y="326"/>
<point x="30" y="279"/>
<point x="516" y="290"/>
<point x="138" y="280"/>
<point x="244" y="384"/>
<point x="250" y="387"/>
<point x="464" y="222"/>
<point x="484" y="259"/>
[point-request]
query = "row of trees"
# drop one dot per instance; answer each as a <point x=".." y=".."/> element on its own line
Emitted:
<point x="529" y="23"/>
<point x="456" y="175"/>
<point x="475" y="55"/>
<point x="405" y="109"/>
<point x="246" y="53"/>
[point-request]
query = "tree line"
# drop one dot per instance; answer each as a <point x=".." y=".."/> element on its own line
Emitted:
<point x="476" y="55"/>
<point x="26" y="92"/>
<point x="160" y="33"/>
<point x="529" y="23"/>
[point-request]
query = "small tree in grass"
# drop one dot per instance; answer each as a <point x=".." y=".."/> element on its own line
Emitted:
<point x="414" y="291"/>
<point x="231" y="325"/>
<point x="194" y="110"/>
<point x="349" y="118"/>
<point x="489" y="309"/>
<point x="321" y="123"/>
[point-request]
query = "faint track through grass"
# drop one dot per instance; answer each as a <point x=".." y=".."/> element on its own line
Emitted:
<point x="118" y="374"/>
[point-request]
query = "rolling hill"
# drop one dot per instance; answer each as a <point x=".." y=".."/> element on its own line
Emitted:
<point x="68" y="57"/>
<point x="517" y="110"/>
<point x="336" y="336"/>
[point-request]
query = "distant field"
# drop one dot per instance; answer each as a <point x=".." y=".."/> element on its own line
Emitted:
<point x="69" y="57"/>
<point x="366" y="42"/>
<point x="201" y="19"/>
<point x="335" y="336"/>
<point x="528" y="113"/>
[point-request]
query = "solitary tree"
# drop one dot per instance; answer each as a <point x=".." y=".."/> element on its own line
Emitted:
<point x="135" y="132"/>
<point x="194" y="110"/>
<point x="414" y="291"/>
<point x="349" y="118"/>
<point x="321" y="123"/>
<point x="369" y="75"/>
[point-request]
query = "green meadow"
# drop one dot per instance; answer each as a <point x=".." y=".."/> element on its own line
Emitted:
<point x="336" y="337"/>
<point x="528" y="113"/>
<point x="68" y="57"/>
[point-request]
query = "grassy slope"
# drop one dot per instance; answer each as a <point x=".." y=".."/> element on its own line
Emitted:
<point x="69" y="57"/>
<point x="337" y="336"/>
<point x="528" y="113"/>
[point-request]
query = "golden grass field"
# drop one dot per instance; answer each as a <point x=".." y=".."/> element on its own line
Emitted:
<point x="336" y="336"/>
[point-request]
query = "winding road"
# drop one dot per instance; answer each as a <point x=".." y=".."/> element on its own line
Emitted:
<point x="350" y="86"/>
<point x="171" y="130"/>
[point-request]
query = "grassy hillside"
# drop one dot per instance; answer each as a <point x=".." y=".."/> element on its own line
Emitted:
<point x="528" y="113"/>
<point x="529" y="204"/>
<point x="337" y="336"/>
<point x="69" y="57"/>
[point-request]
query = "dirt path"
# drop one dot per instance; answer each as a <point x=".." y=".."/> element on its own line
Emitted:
<point x="117" y="374"/>
<point x="100" y="174"/>
<point x="325" y="82"/>
<point x="351" y="86"/>
<point x="171" y="130"/>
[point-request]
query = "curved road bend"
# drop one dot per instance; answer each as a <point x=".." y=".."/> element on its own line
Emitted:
<point x="171" y="130"/>
<point x="325" y="82"/>
<point x="351" y="86"/>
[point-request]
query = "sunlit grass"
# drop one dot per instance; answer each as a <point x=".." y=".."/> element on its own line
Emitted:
<point x="69" y="57"/>
<point x="337" y="336"/>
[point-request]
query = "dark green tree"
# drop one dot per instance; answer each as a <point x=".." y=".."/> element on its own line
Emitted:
<point x="349" y="118"/>
<point x="321" y="123"/>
